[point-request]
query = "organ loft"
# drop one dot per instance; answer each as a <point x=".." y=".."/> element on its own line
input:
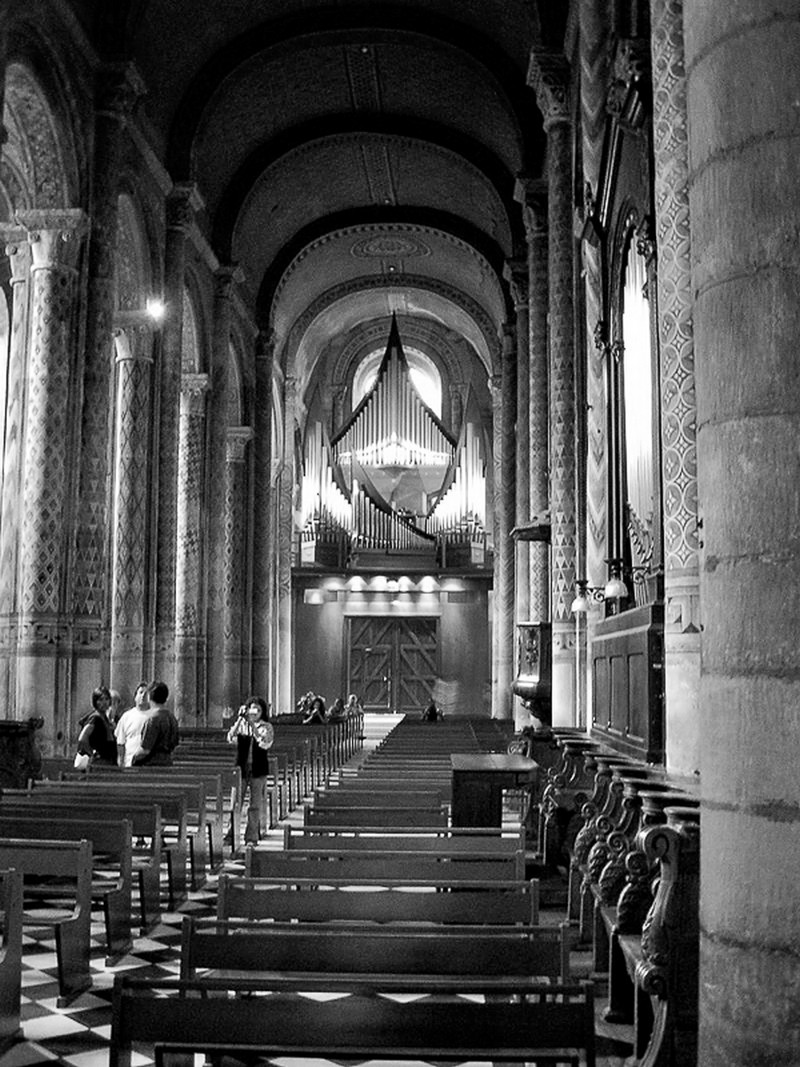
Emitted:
<point x="430" y="351"/>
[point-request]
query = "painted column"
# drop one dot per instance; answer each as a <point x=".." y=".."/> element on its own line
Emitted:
<point x="548" y="74"/>
<point x="743" y="87"/>
<point x="117" y="90"/>
<point x="188" y="577"/>
<point x="181" y="206"/>
<point x="19" y="254"/>
<point x="678" y="400"/>
<point x="55" y="240"/>
<point x="131" y="521"/>
<point x="284" y="673"/>
<point x="516" y="274"/>
<point x="592" y="472"/>
<point x="532" y="193"/>
<point x="218" y="421"/>
<point x="233" y="586"/>
<point x="504" y="411"/>
<point x="264" y="519"/>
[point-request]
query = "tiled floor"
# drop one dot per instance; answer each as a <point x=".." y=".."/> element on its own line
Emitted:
<point x="79" y="1035"/>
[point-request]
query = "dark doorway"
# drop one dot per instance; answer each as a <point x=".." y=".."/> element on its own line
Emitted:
<point x="392" y="664"/>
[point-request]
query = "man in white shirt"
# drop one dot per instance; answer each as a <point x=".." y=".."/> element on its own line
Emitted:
<point x="131" y="724"/>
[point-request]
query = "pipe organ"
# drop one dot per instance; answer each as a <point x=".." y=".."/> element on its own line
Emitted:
<point x="393" y="479"/>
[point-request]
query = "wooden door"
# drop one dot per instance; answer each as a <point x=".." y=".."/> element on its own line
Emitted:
<point x="392" y="663"/>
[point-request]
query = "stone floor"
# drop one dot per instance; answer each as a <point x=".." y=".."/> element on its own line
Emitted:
<point x="79" y="1035"/>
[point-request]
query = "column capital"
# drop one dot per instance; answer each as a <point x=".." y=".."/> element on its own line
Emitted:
<point x="265" y="346"/>
<point x="515" y="272"/>
<point x="236" y="440"/>
<point x="18" y="252"/>
<point x="183" y="203"/>
<point x="548" y="76"/>
<point x="118" y="89"/>
<point x="531" y="193"/>
<point x="54" y="236"/>
<point x="193" y="390"/>
<point x="226" y="276"/>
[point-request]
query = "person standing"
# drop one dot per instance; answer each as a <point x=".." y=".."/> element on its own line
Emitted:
<point x="96" y="738"/>
<point x="161" y="733"/>
<point x="253" y="734"/>
<point x="130" y="726"/>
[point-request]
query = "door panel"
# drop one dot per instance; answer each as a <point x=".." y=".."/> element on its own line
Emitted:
<point x="393" y="664"/>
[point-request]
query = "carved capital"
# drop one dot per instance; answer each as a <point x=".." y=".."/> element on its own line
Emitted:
<point x="54" y="236"/>
<point x="18" y="251"/>
<point x="183" y="203"/>
<point x="265" y="346"/>
<point x="236" y="443"/>
<point x="225" y="278"/>
<point x="193" y="391"/>
<point x="515" y="273"/>
<point x="548" y="76"/>
<point x="532" y="194"/>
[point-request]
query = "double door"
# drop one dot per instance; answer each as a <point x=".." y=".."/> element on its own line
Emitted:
<point x="392" y="663"/>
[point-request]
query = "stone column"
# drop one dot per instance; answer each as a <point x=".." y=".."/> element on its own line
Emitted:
<point x="131" y="519"/>
<point x="233" y="589"/>
<point x="55" y="240"/>
<point x="678" y="401"/>
<point x="743" y="85"/>
<point x="548" y="74"/>
<point x="532" y="194"/>
<point x="504" y="411"/>
<point x="263" y="524"/>
<point x="284" y="674"/>
<point x="117" y="90"/>
<point x="19" y="254"/>
<point x="516" y="274"/>
<point x="181" y="206"/>
<point x="219" y="418"/>
<point x="189" y="555"/>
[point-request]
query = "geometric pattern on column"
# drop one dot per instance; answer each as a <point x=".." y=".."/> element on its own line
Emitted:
<point x="233" y="558"/>
<point x="263" y="521"/>
<point x="679" y="408"/>
<point x="191" y="481"/>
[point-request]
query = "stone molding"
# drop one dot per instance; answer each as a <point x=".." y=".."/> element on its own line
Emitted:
<point x="54" y="236"/>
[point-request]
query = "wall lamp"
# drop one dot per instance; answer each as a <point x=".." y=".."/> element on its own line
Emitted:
<point x="615" y="588"/>
<point x="586" y="595"/>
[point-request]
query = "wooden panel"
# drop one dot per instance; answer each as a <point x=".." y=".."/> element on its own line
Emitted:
<point x="627" y="687"/>
<point x="393" y="663"/>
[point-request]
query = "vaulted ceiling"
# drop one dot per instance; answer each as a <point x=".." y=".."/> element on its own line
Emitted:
<point x="353" y="158"/>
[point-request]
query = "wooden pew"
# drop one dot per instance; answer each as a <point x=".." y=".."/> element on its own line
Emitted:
<point x="375" y="816"/>
<point x="413" y="850"/>
<point x="409" y="839"/>
<point x="10" y="957"/>
<point x="29" y="816"/>
<point x="491" y="903"/>
<point x="72" y="862"/>
<point x="126" y="794"/>
<point x="424" y="952"/>
<point x="341" y="797"/>
<point x="539" y="1025"/>
<point x="378" y="864"/>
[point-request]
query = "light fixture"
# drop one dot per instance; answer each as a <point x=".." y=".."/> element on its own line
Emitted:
<point x="156" y="309"/>
<point x="585" y="596"/>
<point x="615" y="588"/>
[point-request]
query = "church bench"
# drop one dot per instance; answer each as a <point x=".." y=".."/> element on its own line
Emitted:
<point x="68" y="862"/>
<point x="111" y="834"/>
<point x="394" y="953"/>
<point x="10" y="957"/>
<point x="375" y="816"/>
<point x="281" y="773"/>
<point x="492" y="903"/>
<point x="341" y="797"/>
<point x="378" y="865"/>
<point x="182" y="807"/>
<point x="445" y="843"/>
<point x="534" y="1024"/>
<point x="442" y="854"/>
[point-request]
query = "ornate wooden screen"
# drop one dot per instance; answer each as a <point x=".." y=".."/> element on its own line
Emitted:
<point x="392" y="663"/>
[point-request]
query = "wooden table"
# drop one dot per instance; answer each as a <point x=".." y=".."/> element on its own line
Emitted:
<point x="479" y="781"/>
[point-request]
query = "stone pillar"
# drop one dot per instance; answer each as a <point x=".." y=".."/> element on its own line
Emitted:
<point x="219" y="418"/>
<point x="284" y="673"/>
<point x="264" y="523"/>
<point x="516" y="274"/>
<point x="189" y="696"/>
<point x="548" y="74"/>
<point x="181" y="206"/>
<point x="234" y="571"/>
<point x="504" y="411"/>
<point x="19" y="253"/>
<point x="678" y="401"/>
<point x="131" y="518"/>
<point x="55" y="239"/>
<point x="532" y="193"/>
<point x="743" y="85"/>
<point x="117" y="90"/>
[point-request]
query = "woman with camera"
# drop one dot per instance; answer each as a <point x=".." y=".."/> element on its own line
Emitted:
<point x="253" y="734"/>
